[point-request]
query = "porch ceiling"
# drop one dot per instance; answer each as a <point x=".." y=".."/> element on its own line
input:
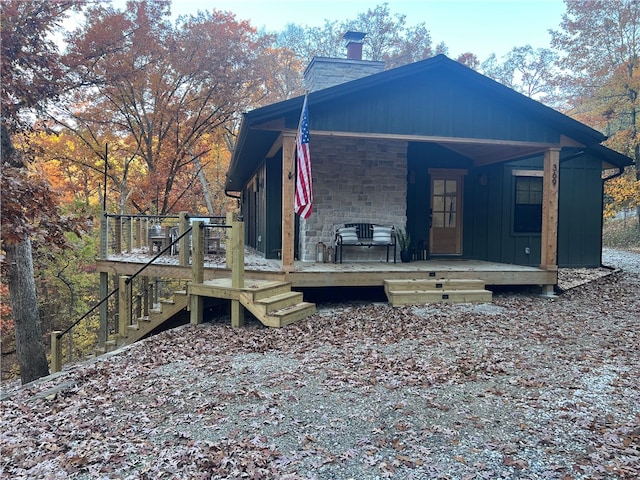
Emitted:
<point x="481" y="151"/>
<point x="484" y="154"/>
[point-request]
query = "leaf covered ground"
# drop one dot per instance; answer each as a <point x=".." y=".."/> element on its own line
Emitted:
<point x="525" y="387"/>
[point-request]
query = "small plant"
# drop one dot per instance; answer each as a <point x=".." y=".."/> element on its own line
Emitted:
<point x="404" y="239"/>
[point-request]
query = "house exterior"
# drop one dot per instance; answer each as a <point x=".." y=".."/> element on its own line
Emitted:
<point x="471" y="168"/>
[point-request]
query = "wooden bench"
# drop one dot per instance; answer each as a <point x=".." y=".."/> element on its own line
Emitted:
<point x="364" y="235"/>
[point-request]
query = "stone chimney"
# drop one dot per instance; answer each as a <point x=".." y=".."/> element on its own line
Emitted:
<point x="325" y="72"/>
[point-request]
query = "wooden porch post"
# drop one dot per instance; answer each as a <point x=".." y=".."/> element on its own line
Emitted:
<point x="183" y="243"/>
<point x="197" y="271"/>
<point x="237" y="271"/>
<point x="124" y="306"/>
<point x="104" y="235"/>
<point x="56" y="351"/>
<point x="549" y="237"/>
<point x="103" y="331"/>
<point x="228" y="242"/>
<point x="288" y="192"/>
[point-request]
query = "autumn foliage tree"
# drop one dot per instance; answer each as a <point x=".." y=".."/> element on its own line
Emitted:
<point x="157" y="91"/>
<point x="600" y="45"/>
<point x="32" y="75"/>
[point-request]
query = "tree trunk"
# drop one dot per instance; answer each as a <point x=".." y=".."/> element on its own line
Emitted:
<point x="638" y="204"/>
<point x="24" y="303"/>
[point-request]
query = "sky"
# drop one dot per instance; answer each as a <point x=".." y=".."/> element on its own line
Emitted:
<point x="482" y="27"/>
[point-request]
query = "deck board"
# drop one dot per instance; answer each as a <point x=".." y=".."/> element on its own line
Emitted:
<point x="351" y="274"/>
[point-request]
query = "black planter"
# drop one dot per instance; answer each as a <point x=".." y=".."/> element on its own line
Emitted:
<point x="405" y="255"/>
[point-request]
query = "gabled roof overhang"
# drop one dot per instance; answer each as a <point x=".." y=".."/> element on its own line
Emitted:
<point x="260" y="135"/>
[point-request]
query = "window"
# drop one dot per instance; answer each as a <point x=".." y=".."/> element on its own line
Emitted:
<point x="527" y="212"/>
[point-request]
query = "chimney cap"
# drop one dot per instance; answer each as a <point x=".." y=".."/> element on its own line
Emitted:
<point x="357" y="37"/>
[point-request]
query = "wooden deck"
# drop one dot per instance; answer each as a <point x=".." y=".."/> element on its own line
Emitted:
<point x="352" y="274"/>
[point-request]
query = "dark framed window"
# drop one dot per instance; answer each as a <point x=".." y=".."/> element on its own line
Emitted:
<point x="527" y="211"/>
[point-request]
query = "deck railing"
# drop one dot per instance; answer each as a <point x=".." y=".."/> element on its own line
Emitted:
<point x="128" y="234"/>
<point x="138" y="292"/>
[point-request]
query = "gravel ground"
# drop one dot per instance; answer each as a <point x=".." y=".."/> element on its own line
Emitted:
<point x="526" y="387"/>
<point x="627" y="260"/>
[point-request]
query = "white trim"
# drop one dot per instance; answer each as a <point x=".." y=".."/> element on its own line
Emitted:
<point x="527" y="173"/>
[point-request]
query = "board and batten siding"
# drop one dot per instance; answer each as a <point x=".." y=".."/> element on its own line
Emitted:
<point x="580" y="212"/>
<point x="488" y="229"/>
<point x="440" y="107"/>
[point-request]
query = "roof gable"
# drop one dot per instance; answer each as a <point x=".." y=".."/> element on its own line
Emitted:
<point x="432" y="103"/>
<point x="433" y="98"/>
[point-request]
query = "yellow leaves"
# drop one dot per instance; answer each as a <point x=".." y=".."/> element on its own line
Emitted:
<point x="621" y="193"/>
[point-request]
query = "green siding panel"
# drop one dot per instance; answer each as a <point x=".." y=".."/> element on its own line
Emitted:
<point x="580" y="216"/>
<point x="430" y="107"/>
<point x="273" y="213"/>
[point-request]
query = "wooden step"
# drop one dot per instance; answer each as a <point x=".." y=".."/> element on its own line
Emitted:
<point x="275" y="305"/>
<point x="417" y="297"/>
<point x="288" y="315"/>
<point x="421" y="284"/>
<point x="280" y="301"/>
<point x="267" y="290"/>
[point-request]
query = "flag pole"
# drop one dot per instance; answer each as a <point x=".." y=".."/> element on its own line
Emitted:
<point x="304" y="105"/>
<point x="303" y="199"/>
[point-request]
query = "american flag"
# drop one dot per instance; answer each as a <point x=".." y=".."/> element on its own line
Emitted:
<point x="304" y="194"/>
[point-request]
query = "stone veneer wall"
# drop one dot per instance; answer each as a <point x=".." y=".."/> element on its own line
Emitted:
<point x="354" y="180"/>
<point x="326" y="72"/>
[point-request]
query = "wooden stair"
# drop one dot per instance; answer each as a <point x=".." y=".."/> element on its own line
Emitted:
<point x="165" y="310"/>
<point x="275" y="305"/>
<point x="421" y="291"/>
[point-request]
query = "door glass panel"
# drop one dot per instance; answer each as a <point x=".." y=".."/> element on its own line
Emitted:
<point x="438" y="220"/>
<point x="438" y="187"/>
<point x="451" y="186"/>
<point x="451" y="220"/>
<point x="452" y="204"/>
<point x="438" y="203"/>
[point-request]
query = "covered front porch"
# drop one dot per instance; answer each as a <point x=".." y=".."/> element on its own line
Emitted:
<point x="417" y="282"/>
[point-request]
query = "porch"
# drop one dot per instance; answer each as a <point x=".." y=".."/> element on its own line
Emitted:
<point x="445" y="278"/>
<point x="259" y="285"/>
